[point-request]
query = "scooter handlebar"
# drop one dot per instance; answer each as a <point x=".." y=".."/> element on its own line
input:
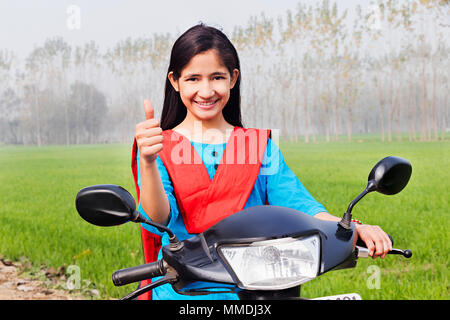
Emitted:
<point x="138" y="273"/>
<point x="364" y="253"/>
<point x="361" y="243"/>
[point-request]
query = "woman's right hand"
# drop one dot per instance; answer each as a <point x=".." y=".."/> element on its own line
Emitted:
<point x="148" y="135"/>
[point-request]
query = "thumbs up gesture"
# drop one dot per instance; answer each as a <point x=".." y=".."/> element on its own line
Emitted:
<point x="149" y="135"/>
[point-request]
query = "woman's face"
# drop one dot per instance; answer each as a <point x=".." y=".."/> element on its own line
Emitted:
<point x="204" y="86"/>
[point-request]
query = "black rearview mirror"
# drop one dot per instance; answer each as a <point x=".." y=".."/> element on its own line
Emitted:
<point x="108" y="205"/>
<point x="105" y="205"/>
<point x="390" y="175"/>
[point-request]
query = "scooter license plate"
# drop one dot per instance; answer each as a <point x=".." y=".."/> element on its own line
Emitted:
<point x="347" y="296"/>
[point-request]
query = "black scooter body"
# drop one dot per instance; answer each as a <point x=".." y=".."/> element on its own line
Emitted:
<point x="200" y="259"/>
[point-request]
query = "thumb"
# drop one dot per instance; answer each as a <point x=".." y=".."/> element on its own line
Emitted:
<point x="149" y="111"/>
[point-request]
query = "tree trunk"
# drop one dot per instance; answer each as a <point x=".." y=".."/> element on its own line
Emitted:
<point x="433" y="105"/>
<point x="380" y="99"/>
<point x="66" y="111"/>
<point x="411" y="110"/>
<point x="444" y="114"/>
<point x="327" y="113"/>
<point x="296" y="107"/>
<point x="349" y="109"/>
<point x="37" y="117"/>
<point x="391" y="104"/>
<point x="305" y="106"/>
<point x="336" y="105"/>
<point x="423" y="109"/>
<point x="397" y="109"/>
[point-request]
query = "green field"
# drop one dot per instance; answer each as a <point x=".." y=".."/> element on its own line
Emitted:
<point x="38" y="219"/>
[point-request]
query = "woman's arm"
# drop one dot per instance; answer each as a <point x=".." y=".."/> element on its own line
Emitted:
<point x="283" y="186"/>
<point x="376" y="240"/>
<point x="285" y="189"/>
<point x="153" y="197"/>
<point x="149" y="141"/>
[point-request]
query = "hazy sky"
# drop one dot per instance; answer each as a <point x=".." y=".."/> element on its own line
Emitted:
<point x="27" y="23"/>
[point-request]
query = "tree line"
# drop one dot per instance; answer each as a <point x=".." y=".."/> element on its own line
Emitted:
<point x="317" y="72"/>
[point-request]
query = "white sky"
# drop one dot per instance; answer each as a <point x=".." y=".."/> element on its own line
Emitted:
<point x="27" y="23"/>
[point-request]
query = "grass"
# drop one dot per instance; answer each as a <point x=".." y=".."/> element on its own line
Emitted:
<point x="38" y="219"/>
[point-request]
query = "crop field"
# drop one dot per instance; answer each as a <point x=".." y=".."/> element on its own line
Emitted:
<point x="38" y="219"/>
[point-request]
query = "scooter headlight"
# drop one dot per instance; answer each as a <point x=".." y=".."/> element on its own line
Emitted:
<point x="274" y="264"/>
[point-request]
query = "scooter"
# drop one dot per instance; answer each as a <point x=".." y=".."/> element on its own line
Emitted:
<point x="262" y="252"/>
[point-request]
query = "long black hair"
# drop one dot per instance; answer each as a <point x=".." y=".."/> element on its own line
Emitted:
<point x="199" y="39"/>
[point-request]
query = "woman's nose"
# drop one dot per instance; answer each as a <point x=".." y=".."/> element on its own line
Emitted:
<point x="206" y="90"/>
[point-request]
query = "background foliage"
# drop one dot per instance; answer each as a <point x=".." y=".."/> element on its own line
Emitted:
<point x="325" y="72"/>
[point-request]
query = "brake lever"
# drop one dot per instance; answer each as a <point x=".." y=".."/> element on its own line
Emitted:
<point x="406" y="253"/>
<point x="364" y="252"/>
<point x="170" y="277"/>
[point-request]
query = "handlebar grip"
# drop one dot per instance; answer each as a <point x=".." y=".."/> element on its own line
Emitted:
<point x="361" y="243"/>
<point x="138" y="273"/>
<point x="392" y="240"/>
<point x="406" y="253"/>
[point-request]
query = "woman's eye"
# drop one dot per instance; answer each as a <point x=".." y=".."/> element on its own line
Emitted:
<point x="191" y="79"/>
<point x="219" y="78"/>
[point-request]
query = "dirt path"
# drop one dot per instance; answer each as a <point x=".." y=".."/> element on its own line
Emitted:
<point x="16" y="287"/>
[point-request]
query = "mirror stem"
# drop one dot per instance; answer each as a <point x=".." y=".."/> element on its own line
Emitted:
<point x="175" y="244"/>
<point x="347" y="218"/>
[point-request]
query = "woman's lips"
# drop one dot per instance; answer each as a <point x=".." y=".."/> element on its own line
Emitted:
<point x="207" y="104"/>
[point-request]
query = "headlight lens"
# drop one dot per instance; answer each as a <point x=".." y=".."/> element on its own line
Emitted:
<point x="274" y="264"/>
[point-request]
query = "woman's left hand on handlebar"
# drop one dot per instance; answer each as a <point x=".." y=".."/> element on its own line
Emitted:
<point x="376" y="240"/>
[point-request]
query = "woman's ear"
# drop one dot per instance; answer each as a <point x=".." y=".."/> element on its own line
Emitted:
<point x="234" y="78"/>
<point x="173" y="82"/>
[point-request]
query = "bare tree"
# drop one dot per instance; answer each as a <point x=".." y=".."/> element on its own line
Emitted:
<point x="316" y="72"/>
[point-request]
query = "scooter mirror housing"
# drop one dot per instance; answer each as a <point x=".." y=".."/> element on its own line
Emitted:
<point x="389" y="176"/>
<point x="106" y="205"/>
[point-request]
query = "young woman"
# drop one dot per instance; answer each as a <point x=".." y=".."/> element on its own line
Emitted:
<point x="198" y="164"/>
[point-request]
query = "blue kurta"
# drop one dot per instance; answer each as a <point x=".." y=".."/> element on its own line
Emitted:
<point x="276" y="183"/>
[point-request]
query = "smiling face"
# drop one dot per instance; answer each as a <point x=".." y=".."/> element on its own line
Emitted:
<point x="204" y="86"/>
